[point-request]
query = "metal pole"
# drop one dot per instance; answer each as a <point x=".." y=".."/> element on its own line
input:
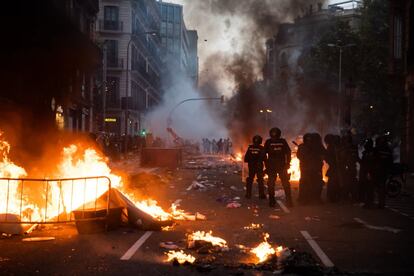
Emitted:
<point x="104" y="72"/>
<point x="340" y="91"/>
<point x="126" y="97"/>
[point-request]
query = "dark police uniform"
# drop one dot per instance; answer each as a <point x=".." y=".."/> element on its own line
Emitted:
<point x="255" y="156"/>
<point x="278" y="161"/>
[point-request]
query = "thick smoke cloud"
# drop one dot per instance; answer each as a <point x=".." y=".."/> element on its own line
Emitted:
<point x="232" y="55"/>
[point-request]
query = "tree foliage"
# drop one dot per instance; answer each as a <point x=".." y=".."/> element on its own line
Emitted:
<point x="376" y="105"/>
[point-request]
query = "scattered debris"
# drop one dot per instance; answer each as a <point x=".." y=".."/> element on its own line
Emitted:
<point x="254" y="226"/>
<point x="179" y="257"/>
<point x="4" y="259"/>
<point x="233" y="205"/>
<point x="38" y="239"/>
<point x="195" y="185"/>
<point x="315" y="218"/>
<point x="379" y="228"/>
<point x="169" y="245"/>
<point x="208" y="237"/>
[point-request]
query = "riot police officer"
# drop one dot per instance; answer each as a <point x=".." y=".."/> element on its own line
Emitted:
<point x="278" y="162"/>
<point x="366" y="182"/>
<point x="254" y="157"/>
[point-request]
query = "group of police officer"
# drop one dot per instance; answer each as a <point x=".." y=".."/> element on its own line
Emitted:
<point x="276" y="156"/>
<point x="340" y="154"/>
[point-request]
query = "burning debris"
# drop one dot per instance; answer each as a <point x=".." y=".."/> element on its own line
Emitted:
<point x="200" y="238"/>
<point x="83" y="186"/>
<point x="179" y="257"/>
<point x="253" y="226"/>
<point x="264" y="250"/>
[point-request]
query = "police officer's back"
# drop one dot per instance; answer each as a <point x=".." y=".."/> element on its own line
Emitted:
<point x="255" y="156"/>
<point x="278" y="162"/>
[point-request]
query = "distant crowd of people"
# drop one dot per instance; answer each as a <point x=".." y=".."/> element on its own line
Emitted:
<point x="220" y="146"/>
<point x="339" y="152"/>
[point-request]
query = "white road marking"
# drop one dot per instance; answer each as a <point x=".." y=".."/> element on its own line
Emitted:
<point x="136" y="246"/>
<point x="399" y="212"/>
<point x="324" y="258"/>
<point x="283" y="206"/>
<point x="380" y="228"/>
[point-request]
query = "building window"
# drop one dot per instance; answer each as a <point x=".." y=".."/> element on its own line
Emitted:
<point x="170" y="13"/>
<point x="164" y="13"/>
<point x="163" y="28"/>
<point x="177" y="14"/>
<point x="112" y="92"/>
<point x="177" y="29"/>
<point x="111" y="17"/>
<point x="170" y="29"/>
<point x="397" y="37"/>
<point x="112" y="53"/>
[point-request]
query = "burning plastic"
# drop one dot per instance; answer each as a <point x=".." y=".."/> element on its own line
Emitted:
<point x="264" y="250"/>
<point x="180" y="257"/>
<point x="207" y="237"/>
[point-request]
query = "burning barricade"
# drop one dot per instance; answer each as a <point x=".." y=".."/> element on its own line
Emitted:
<point x="83" y="190"/>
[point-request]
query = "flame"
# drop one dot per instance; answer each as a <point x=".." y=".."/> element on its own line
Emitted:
<point x="64" y="197"/>
<point x="11" y="199"/>
<point x="180" y="256"/>
<point x="208" y="237"/>
<point x="253" y="226"/>
<point x="239" y="157"/>
<point x="294" y="169"/>
<point x="264" y="250"/>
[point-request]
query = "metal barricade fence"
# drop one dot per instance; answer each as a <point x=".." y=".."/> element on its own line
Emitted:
<point x="51" y="201"/>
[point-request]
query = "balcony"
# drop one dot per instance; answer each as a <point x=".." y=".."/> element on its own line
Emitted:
<point x="117" y="64"/>
<point x="111" y="26"/>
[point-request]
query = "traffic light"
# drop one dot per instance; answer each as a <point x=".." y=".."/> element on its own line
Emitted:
<point x="143" y="132"/>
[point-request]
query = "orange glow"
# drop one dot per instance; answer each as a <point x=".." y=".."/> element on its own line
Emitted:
<point x="239" y="157"/>
<point x="10" y="190"/>
<point x="208" y="237"/>
<point x="294" y="169"/>
<point x="61" y="198"/>
<point x="265" y="250"/>
<point x="180" y="256"/>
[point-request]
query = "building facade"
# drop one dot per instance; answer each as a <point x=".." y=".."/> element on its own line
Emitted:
<point x="128" y="32"/>
<point x="179" y="45"/>
<point x="50" y="62"/>
<point x="402" y="70"/>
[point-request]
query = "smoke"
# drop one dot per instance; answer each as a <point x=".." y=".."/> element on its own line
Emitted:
<point x="191" y="120"/>
<point x="232" y="56"/>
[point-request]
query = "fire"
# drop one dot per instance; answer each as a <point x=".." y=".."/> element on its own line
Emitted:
<point x="11" y="201"/>
<point x="253" y="226"/>
<point x="65" y="197"/>
<point x="180" y="256"/>
<point x="208" y="237"/>
<point x="294" y="169"/>
<point x="264" y="250"/>
<point x="239" y="157"/>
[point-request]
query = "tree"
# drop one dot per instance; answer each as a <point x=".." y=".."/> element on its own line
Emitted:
<point x="376" y="104"/>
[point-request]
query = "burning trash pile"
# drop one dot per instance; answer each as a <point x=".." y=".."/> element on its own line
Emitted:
<point x="82" y="187"/>
<point x="204" y="250"/>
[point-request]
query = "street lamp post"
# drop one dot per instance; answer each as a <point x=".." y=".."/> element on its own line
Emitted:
<point x="169" y="119"/>
<point x="340" y="47"/>
<point x="133" y="36"/>
<point x="267" y="112"/>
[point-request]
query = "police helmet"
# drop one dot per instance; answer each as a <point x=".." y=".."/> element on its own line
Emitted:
<point x="275" y="132"/>
<point x="257" y="140"/>
<point x="307" y="138"/>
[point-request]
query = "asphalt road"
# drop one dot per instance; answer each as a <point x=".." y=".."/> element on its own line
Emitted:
<point x="348" y="237"/>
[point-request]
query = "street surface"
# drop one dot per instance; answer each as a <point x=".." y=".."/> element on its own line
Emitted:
<point x="351" y="238"/>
